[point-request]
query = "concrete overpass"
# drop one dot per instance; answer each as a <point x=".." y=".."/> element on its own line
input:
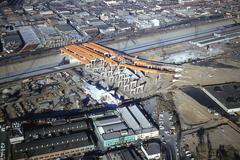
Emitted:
<point x="28" y="66"/>
<point x="132" y="45"/>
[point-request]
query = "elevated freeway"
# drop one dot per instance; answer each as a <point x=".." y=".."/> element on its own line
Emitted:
<point x="131" y="45"/>
<point x="27" y="65"/>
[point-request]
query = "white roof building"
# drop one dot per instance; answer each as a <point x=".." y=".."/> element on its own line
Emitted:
<point x="100" y="95"/>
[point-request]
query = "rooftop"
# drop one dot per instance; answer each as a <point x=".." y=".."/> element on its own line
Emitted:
<point x="124" y="154"/>
<point x="152" y="148"/>
<point x="46" y="129"/>
<point x="64" y="27"/>
<point x="228" y="94"/>
<point x="28" y="35"/>
<point x="54" y="144"/>
<point x="113" y="127"/>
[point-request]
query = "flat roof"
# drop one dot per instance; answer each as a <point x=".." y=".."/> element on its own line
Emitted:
<point x="118" y="134"/>
<point x="132" y="123"/>
<point x="227" y="94"/>
<point x="12" y="36"/>
<point x="28" y="35"/>
<point x="80" y="139"/>
<point x="144" y="123"/>
<point x="43" y="130"/>
<point x="115" y="127"/>
<point x="108" y="121"/>
<point x="152" y="148"/>
<point x="64" y="27"/>
<point x="124" y="154"/>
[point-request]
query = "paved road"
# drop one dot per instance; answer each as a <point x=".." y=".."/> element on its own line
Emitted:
<point x="47" y="64"/>
<point x="34" y="72"/>
<point x="33" y="67"/>
<point x="170" y="41"/>
<point x="129" y="45"/>
<point x="166" y="123"/>
<point x="169" y="153"/>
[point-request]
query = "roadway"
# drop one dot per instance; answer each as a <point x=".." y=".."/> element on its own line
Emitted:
<point x="167" y="121"/>
<point x="45" y="64"/>
<point x="156" y="40"/>
<point x="33" y="67"/>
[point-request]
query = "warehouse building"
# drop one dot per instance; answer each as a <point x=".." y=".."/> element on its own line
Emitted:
<point x="50" y="129"/>
<point x="49" y="141"/>
<point x="138" y="122"/>
<point x="151" y="150"/>
<point x="123" y="154"/>
<point x="124" y="127"/>
<point x="50" y="148"/>
<point x="227" y="96"/>
<point x="112" y="131"/>
<point x="29" y="37"/>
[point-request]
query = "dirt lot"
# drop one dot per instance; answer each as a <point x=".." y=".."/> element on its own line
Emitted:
<point x="200" y="75"/>
<point x="191" y="112"/>
<point x="223" y="135"/>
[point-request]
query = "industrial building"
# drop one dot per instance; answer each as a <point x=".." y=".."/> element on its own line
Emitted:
<point x="29" y="37"/>
<point x="124" y="127"/>
<point x="119" y="70"/>
<point x="227" y="96"/>
<point x="151" y="150"/>
<point x="123" y="154"/>
<point x="49" y="148"/>
<point x="92" y="53"/>
<point x="51" y="129"/>
<point x="112" y="131"/>
<point x="100" y="95"/>
<point x="187" y="1"/>
<point x="49" y="141"/>
<point x="12" y="41"/>
<point x="135" y="119"/>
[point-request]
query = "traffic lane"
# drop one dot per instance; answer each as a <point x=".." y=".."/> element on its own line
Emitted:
<point x="28" y="56"/>
<point x="170" y="138"/>
<point x="194" y="35"/>
<point x="169" y="152"/>
<point x="123" y="44"/>
<point x="182" y="37"/>
<point x="29" y="65"/>
<point x="166" y="123"/>
<point x="37" y="72"/>
<point x="159" y="44"/>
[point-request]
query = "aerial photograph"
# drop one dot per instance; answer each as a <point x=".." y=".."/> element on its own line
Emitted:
<point x="119" y="79"/>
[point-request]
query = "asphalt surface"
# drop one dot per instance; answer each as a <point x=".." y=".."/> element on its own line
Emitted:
<point x="136" y="44"/>
<point x="35" y="72"/>
<point x="169" y="140"/>
<point x="41" y="65"/>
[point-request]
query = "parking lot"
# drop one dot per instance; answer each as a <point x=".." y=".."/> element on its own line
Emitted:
<point x="168" y="132"/>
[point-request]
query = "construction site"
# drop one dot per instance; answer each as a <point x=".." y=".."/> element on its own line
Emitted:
<point x="120" y="80"/>
<point x="131" y="75"/>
